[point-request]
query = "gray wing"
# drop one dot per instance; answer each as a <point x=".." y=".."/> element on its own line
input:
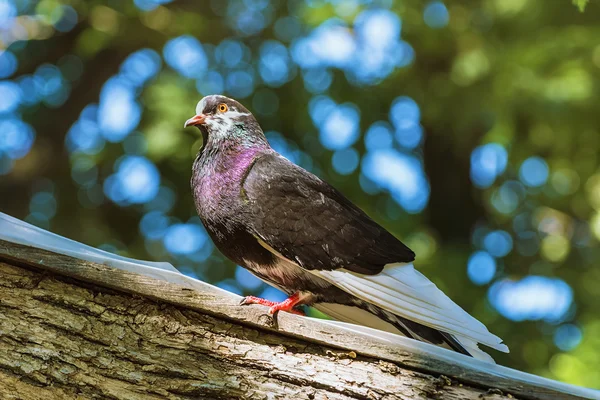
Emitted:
<point x="308" y="221"/>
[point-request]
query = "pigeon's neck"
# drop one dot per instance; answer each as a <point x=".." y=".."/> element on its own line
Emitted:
<point x="233" y="134"/>
<point x="229" y="153"/>
<point x="219" y="171"/>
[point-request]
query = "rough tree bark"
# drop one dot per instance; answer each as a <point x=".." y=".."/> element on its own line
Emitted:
<point x="75" y="329"/>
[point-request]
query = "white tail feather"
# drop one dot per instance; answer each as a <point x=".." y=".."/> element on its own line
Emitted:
<point x="357" y="316"/>
<point x="402" y="290"/>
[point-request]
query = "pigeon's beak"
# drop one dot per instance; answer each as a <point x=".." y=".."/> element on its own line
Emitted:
<point x="195" y="120"/>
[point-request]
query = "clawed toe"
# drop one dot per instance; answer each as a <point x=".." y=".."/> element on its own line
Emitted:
<point x="289" y="305"/>
<point x="256" y="300"/>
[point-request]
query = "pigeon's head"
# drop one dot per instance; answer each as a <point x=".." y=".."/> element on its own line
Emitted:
<point x="222" y="117"/>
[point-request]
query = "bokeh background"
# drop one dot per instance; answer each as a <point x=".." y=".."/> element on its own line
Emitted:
<point x="470" y="129"/>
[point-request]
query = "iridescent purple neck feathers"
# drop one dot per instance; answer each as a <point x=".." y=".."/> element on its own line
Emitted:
<point x="218" y="176"/>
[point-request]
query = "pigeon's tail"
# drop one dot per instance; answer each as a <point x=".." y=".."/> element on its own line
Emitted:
<point x="427" y="334"/>
<point x="409" y="302"/>
<point x="367" y="314"/>
<point x="417" y="331"/>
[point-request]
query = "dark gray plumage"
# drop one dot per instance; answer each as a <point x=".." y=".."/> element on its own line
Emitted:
<point x="301" y="235"/>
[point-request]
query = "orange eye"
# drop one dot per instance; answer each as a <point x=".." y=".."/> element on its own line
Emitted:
<point x="222" y="107"/>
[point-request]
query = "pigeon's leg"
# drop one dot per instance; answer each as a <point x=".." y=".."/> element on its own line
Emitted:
<point x="287" y="305"/>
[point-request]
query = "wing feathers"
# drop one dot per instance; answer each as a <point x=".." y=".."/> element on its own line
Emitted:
<point x="309" y="221"/>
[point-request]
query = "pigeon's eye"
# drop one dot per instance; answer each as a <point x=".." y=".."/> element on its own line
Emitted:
<point x="222" y="107"/>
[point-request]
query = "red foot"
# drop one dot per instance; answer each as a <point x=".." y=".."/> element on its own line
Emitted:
<point x="287" y="305"/>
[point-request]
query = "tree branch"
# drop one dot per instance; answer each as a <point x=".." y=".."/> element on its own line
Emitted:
<point x="75" y="329"/>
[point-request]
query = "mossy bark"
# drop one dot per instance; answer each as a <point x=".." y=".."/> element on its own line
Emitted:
<point x="71" y="329"/>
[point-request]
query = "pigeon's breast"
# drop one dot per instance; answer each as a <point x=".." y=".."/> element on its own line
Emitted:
<point x="214" y="194"/>
<point x="217" y="182"/>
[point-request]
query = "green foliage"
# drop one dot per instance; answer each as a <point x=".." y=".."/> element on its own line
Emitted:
<point x="580" y="4"/>
<point x="519" y="73"/>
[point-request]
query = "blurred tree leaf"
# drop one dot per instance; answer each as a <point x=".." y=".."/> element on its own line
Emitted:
<point x="580" y="4"/>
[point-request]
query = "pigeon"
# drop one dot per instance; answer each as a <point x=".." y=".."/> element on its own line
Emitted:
<point x="300" y="235"/>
